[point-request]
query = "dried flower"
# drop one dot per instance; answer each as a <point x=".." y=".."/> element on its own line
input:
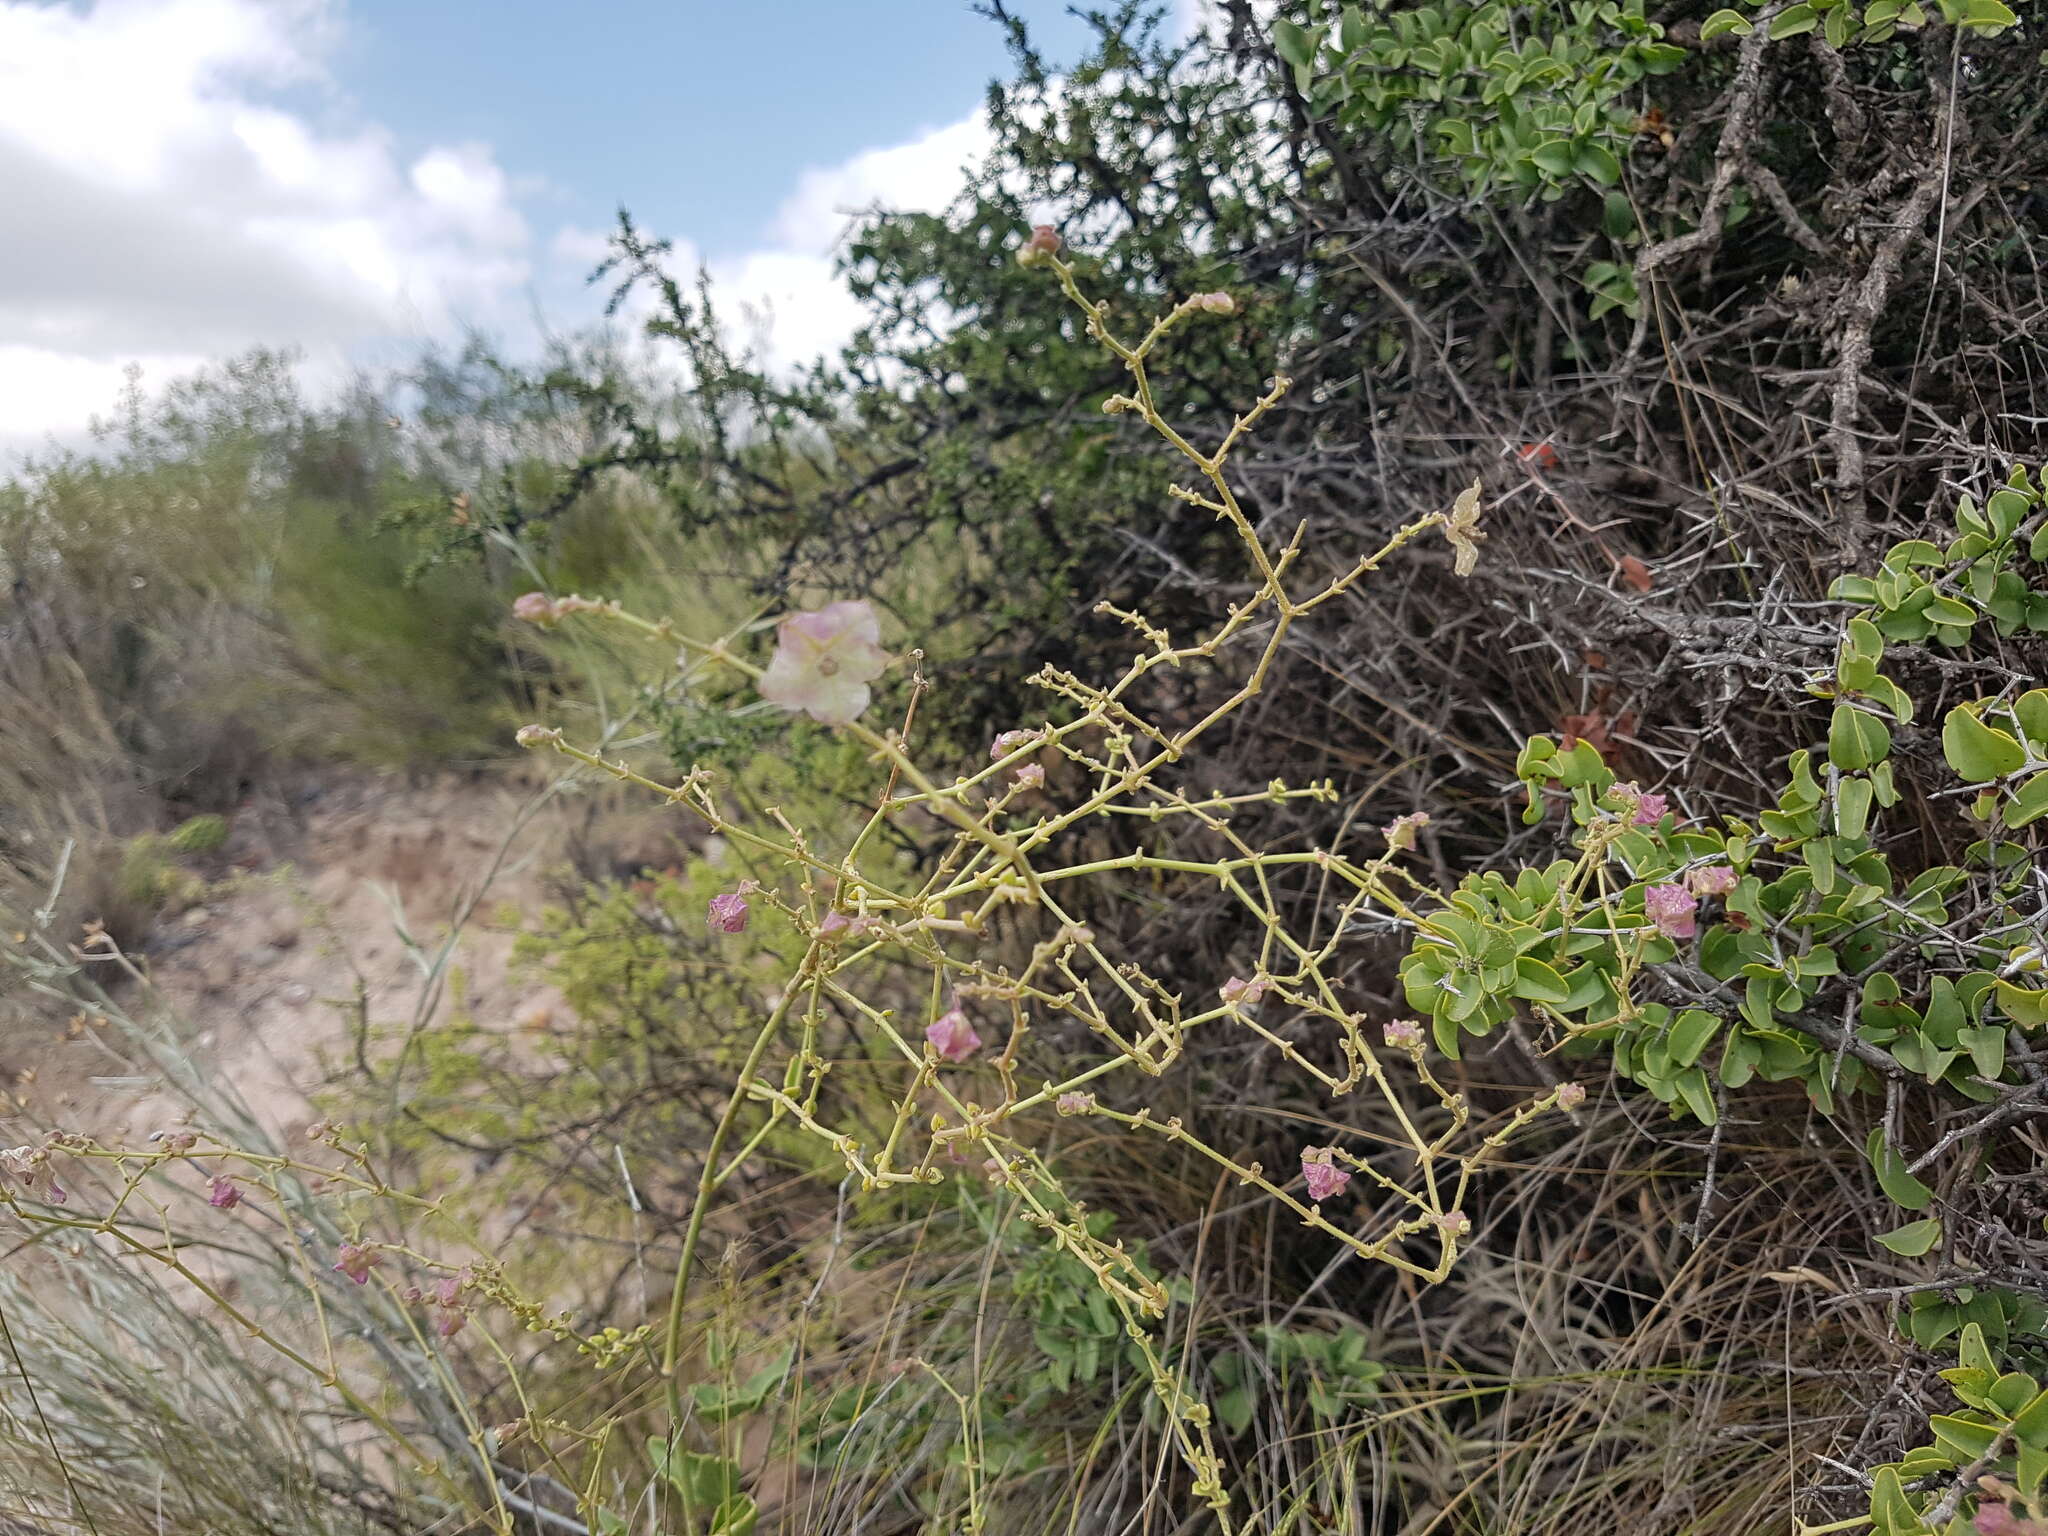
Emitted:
<point x="1043" y="244"/>
<point x="1711" y="880"/>
<point x="535" y="735"/>
<point x="1009" y="742"/>
<point x="1400" y="832"/>
<point x="728" y="913"/>
<point x="30" y="1168"/>
<point x="1322" y="1174"/>
<point x="1403" y="1034"/>
<point x="1239" y="992"/>
<point x="1461" y="530"/>
<point x="1218" y="303"/>
<point x="535" y="608"/>
<point x="824" y="661"/>
<point x="1673" y="909"/>
<point x="356" y="1260"/>
<point x="952" y="1036"/>
<point x="1570" y="1095"/>
<point x="222" y="1193"/>
<point x="1074" y="1103"/>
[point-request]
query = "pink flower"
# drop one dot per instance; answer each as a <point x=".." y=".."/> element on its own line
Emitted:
<point x="1402" y="1034"/>
<point x="1673" y="909"/>
<point x="356" y="1260"/>
<point x="450" y="1322"/>
<point x="1044" y="243"/>
<point x="1009" y="742"/>
<point x="1570" y="1095"/>
<point x="824" y="662"/>
<point x="1074" y="1103"/>
<point x="1400" y="832"/>
<point x="448" y="1289"/>
<point x="1454" y="1223"/>
<point x="1218" y="303"/>
<point x="1322" y="1174"/>
<point x="1030" y="776"/>
<point x="1996" y="1519"/>
<point x="30" y="1168"/>
<point x="728" y="913"/>
<point x="222" y="1193"/>
<point x="1650" y="810"/>
<point x="535" y="608"/>
<point x="952" y="1036"/>
<point x="1239" y="992"/>
<point x="1711" y="880"/>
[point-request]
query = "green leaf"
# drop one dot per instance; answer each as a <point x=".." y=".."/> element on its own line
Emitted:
<point x="1725" y="21"/>
<point x="1855" y="739"/>
<point x="1295" y="44"/>
<point x="1852" y="806"/>
<point x="1964" y="1439"/>
<point x="1554" y="157"/>
<point x="1914" y="1238"/>
<point x="1976" y="751"/>
<point x="2029" y="802"/>
<point x="2024" y="1006"/>
<point x="1987" y="16"/>
<point x="1538" y="983"/>
<point x="1598" y="162"/>
<point x="1900" y="1186"/>
<point x="1691" y="1034"/>
<point x="1972" y="1353"/>
<point x="1794" y="21"/>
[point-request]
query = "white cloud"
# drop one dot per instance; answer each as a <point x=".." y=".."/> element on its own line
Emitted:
<point x="162" y="209"/>
<point x="784" y="299"/>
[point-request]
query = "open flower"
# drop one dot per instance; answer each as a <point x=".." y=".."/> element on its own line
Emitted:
<point x="1674" y="910"/>
<point x="1650" y="810"/>
<point x="356" y="1260"/>
<point x="1030" y="776"/>
<point x="824" y="661"/>
<point x="534" y="607"/>
<point x="1570" y="1095"/>
<point x="1044" y="243"/>
<point x="1074" y="1103"/>
<point x="728" y="913"/>
<point x="1323" y="1176"/>
<point x="952" y="1036"/>
<point x="1010" y="741"/>
<point x="222" y="1193"/>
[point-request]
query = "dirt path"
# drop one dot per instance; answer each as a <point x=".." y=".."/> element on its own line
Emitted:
<point x="314" y="896"/>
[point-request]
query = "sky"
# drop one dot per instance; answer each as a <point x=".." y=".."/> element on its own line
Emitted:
<point x="357" y="178"/>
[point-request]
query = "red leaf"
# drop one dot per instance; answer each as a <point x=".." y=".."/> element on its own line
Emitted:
<point x="1635" y="573"/>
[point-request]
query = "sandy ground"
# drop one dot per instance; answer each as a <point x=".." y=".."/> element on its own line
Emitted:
<point x="310" y="906"/>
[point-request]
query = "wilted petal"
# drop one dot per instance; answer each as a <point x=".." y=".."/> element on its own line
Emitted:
<point x="728" y="912"/>
<point x="1323" y="1176"/>
<point x="1673" y="909"/>
<point x="952" y="1036"/>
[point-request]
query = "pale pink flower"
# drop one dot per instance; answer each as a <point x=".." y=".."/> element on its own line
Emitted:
<point x="1403" y="1034"/>
<point x="356" y="1260"/>
<point x="1711" y="880"/>
<point x="1995" y="1518"/>
<point x="1673" y="909"/>
<point x="1218" y="303"/>
<point x="1244" y="993"/>
<point x="30" y="1168"/>
<point x="824" y="662"/>
<point x="1400" y="832"/>
<point x="1322" y="1174"/>
<point x="952" y="1036"/>
<point x="448" y="1289"/>
<point x="1454" y="1223"/>
<point x="1570" y="1095"/>
<point x="728" y="912"/>
<point x="535" y="608"/>
<point x="1009" y="742"/>
<point x="450" y="1322"/>
<point x="222" y="1193"/>
<point x="1074" y="1103"/>
<point x="1650" y="810"/>
<point x="1030" y="776"/>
